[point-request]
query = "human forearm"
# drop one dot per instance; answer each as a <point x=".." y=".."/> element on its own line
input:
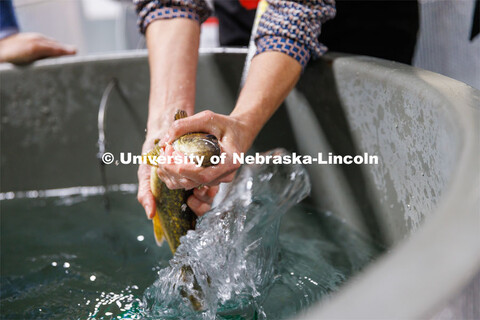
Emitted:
<point x="173" y="57"/>
<point x="271" y="77"/>
<point x="172" y="30"/>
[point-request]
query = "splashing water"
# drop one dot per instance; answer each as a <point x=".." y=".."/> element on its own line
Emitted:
<point x="227" y="262"/>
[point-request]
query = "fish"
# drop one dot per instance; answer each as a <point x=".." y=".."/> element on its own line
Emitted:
<point x="173" y="218"/>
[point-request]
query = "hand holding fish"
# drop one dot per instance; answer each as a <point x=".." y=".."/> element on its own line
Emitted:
<point x="199" y="201"/>
<point x="173" y="216"/>
<point x="233" y="137"/>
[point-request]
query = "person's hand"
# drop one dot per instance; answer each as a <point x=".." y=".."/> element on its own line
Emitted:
<point x="24" y="48"/>
<point x="200" y="201"/>
<point x="234" y="136"/>
<point x="144" y="194"/>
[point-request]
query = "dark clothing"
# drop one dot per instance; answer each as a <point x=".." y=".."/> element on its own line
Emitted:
<point x="8" y="22"/>
<point x="235" y="23"/>
<point x="383" y="29"/>
<point x="476" y="21"/>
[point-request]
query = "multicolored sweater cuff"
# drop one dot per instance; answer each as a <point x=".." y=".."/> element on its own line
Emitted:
<point x="288" y="46"/>
<point x="293" y="27"/>
<point x="149" y="11"/>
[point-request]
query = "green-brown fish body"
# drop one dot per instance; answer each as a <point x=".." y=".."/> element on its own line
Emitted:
<point x="173" y="217"/>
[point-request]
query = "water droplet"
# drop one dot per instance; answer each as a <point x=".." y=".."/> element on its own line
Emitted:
<point x="54" y="264"/>
<point x="66" y="265"/>
<point x="92" y="278"/>
<point x="140" y="238"/>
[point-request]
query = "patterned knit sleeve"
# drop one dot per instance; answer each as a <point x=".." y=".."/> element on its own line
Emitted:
<point x="293" y="27"/>
<point x="151" y="10"/>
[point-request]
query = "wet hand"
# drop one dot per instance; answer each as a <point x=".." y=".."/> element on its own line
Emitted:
<point x="144" y="194"/>
<point x="200" y="201"/>
<point x="233" y="137"/>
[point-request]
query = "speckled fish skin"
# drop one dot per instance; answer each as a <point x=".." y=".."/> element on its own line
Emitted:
<point x="173" y="217"/>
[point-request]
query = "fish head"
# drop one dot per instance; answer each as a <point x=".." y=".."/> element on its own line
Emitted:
<point x="198" y="144"/>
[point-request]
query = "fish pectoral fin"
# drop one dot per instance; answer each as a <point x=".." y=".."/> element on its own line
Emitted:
<point x="180" y="114"/>
<point x="153" y="154"/>
<point x="158" y="230"/>
<point x="155" y="183"/>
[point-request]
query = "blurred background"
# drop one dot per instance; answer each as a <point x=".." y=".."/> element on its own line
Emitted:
<point x="94" y="26"/>
<point x="99" y="26"/>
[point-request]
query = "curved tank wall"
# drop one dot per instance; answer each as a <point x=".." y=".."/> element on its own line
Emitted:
<point x="421" y="200"/>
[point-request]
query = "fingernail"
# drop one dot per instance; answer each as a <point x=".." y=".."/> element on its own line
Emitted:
<point x="148" y="210"/>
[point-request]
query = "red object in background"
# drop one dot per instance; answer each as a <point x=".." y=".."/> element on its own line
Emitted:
<point x="249" y="4"/>
<point x="212" y="20"/>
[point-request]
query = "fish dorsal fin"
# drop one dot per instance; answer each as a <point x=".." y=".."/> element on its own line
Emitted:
<point x="180" y="114"/>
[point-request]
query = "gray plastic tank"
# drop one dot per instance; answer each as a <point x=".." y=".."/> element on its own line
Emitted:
<point x="421" y="200"/>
